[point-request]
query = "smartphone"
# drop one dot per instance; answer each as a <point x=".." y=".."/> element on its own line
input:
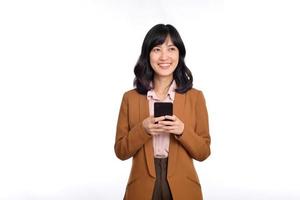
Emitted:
<point x="163" y="108"/>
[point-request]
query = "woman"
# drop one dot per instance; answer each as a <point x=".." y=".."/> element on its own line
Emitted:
<point x="163" y="148"/>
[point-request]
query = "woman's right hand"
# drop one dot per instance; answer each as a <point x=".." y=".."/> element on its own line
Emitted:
<point x="152" y="126"/>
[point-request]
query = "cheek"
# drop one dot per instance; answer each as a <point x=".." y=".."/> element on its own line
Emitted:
<point x="176" y="60"/>
<point x="151" y="63"/>
<point x="153" y="60"/>
<point x="175" y="57"/>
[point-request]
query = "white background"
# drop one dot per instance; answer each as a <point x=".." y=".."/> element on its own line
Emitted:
<point x="65" y="65"/>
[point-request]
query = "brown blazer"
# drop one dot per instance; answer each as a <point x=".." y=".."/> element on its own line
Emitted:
<point x="133" y="141"/>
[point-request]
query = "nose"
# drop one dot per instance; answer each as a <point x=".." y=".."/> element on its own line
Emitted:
<point x="164" y="54"/>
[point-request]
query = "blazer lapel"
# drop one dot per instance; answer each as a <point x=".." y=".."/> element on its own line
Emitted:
<point x="148" y="147"/>
<point x="178" y="108"/>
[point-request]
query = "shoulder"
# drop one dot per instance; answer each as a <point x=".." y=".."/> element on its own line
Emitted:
<point x="194" y="92"/>
<point x="195" y="95"/>
<point x="131" y="95"/>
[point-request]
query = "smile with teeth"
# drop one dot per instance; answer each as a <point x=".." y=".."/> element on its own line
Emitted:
<point x="164" y="65"/>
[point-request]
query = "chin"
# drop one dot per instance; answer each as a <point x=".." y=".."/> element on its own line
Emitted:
<point x="165" y="74"/>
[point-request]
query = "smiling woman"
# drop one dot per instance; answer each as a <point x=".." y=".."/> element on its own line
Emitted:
<point x="164" y="58"/>
<point x="163" y="147"/>
<point x="163" y="51"/>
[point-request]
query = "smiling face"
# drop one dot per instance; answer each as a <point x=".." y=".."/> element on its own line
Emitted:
<point x="164" y="58"/>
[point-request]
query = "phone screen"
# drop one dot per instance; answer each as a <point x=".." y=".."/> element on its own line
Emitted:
<point x="163" y="108"/>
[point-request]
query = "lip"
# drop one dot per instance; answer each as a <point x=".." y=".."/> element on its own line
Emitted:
<point x="164" y="65"/>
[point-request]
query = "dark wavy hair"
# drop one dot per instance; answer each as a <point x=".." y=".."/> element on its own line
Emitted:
<point x="143" y="71"/>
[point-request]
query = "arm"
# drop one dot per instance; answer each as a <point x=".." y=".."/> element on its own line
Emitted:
<point x="197" y="140"/>
<point x="128" y="141"/>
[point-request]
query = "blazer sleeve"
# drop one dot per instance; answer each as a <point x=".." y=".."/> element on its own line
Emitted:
<point x="196" y="140"/>
<point x="128" y="141"/>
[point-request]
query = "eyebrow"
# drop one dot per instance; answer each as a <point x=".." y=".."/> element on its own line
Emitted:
<point x="170" y="45"/>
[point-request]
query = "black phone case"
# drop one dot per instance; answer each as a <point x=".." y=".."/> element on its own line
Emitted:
<point x="163" y="108"/>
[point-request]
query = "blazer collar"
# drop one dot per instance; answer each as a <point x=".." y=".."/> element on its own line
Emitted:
<point x="178" y="108"/>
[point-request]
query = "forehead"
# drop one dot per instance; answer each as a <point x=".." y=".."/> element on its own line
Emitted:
<point x="168" y="41"/>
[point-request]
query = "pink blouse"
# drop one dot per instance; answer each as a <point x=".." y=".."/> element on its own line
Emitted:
<point x="161" y="142"/>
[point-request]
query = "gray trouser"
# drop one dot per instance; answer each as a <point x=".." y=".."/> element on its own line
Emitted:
<point x="161" y="188"/>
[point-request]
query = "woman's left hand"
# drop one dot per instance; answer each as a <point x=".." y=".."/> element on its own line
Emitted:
<point x="175" y="126"/>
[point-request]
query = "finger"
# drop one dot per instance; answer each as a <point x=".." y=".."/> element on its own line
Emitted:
<point x="155" y="126"/>
<point x="152" y="120"/>
<point x="173" y="131"/>
<point x="173" y="118"/>
<point x="169" y="128"/>
<point x="157" y="119"/>
<point x="166" y="123"/>
<point x="163" y="128"/>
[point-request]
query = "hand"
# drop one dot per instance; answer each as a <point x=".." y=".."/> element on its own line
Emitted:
<point x="153" y="128"/>
<point x="175" y="126"/>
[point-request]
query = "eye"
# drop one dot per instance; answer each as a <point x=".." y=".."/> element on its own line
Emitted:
<point x="156" y="49"/>
<point x="172" y="49"/>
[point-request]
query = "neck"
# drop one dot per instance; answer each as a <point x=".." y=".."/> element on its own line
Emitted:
<point x="162" y="84"/>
